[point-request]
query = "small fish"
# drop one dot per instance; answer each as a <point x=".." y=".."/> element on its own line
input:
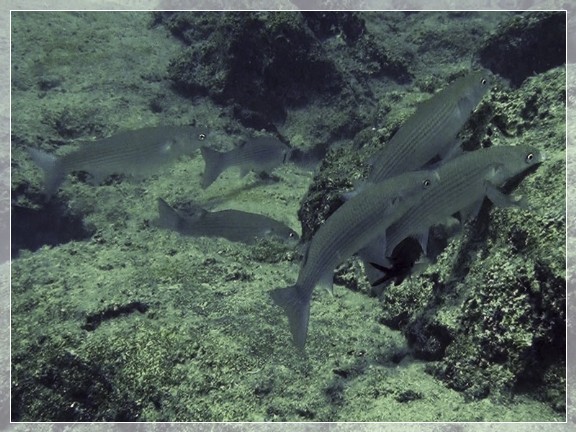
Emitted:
<point x="234" y="225"/>
<point x="431" y="131"/>
<point x="135" y="152"/>
<point x="355" y="223"/>
<point x="259" y="154"/>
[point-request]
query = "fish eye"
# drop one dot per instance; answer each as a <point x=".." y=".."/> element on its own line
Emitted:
<point x="426" y="183"/>
<point x="484" y="81"/>
<point x="202" y="137"/>
<point x="530" y="157"/>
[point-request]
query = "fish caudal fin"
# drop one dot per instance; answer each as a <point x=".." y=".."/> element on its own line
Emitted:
<point x="167" y="217"/>
<point x="214" y="165"/>
<point x="53" y="172"/>
<point x="297" y="309"/>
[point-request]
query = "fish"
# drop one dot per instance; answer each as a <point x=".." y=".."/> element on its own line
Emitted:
<point x="431" y="131"/>
<point x="134" y="152"/>
<point x="261" y="154"/>
<point x="353" y="224"/>
<point x="234" y="225"/>
<point x="464" y="183"/>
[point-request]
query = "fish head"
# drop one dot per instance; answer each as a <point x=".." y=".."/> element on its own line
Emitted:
<point x="473" y="88"/>
<point x="480" y="82"/>
<point x="289" y="235"/>
<point x="425" y="180"/>
<point x="517" y="160"/>
<point x="283" y="232"/>
<point x="188" y="139"/>
<point x="417" y="183"/>
<point x="430" y="179"/>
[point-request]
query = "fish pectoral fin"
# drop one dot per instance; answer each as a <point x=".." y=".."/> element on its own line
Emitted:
<point x="502" y="200"/>
<point x="382" y="268"/>
<point x="373" y="255"/>
<point x="375" y="251"/>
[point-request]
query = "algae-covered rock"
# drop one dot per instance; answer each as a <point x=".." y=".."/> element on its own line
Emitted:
<point x="492" y="309"/>
<point x="263" y="62"/>
<point x="526" y="44"/>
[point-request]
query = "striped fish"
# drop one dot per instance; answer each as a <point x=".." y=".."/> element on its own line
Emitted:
<point x="464" y="182"/>
<point x="349" y="228"/>
<point x="234" y="225"/>
<point x="431" y="131"/>
<point x="136" y="152"/>
<point x="261" y="154"/>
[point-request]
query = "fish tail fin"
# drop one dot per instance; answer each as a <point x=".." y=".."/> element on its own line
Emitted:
<point x="215" y="163"/>
<point x="297" y="309"/>
<point x="167" y="217"/>
<point x="54" y="173"/>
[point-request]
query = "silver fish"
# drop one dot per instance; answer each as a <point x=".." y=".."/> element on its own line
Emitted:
<point x="431" y="131"/>
<point x="464" y="182"/>
<point x="259" y="154"/>
<point x="234" y="225"/>
<point x="349" y="228"/>
<point x="136" y="152"/>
